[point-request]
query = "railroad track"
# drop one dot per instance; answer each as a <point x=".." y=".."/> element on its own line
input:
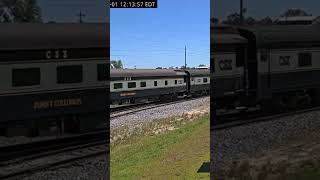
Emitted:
<point x="21" y="159"/>
<point x="258" y="118"/>
<point x="132" y="110"/>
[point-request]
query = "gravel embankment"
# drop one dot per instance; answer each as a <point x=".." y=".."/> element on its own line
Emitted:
<point x="93" y="169"/>
<point x="136" y="119"/>
<point x="251" y="140"/>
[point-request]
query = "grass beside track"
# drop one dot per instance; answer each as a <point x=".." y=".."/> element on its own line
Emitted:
<point x="175" y="154"/>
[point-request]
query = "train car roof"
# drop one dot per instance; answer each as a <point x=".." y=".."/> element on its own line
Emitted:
<point x="29" y="36"/>
<point x="145" y="73"/>
<point x="228" y="39"/>
<point x="286" y="35"/>
<point x="225" y="34"/>
<point x="199" y="72"/>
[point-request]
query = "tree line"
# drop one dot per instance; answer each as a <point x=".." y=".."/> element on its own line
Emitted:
<point x="19" y="11"/>
<point x="234" y="19"/>
<point x="117" y="64"/>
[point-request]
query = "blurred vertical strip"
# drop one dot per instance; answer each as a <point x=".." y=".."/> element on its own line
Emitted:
<point x="107" y="174"/>
<point x="212" y="89"/>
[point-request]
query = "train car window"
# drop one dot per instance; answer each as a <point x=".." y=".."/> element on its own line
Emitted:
<point x="305" y="59"/>
<point x="143" y="84"/>
<point x="199" y="80"/>
<point x="69" y="74"/>
<point x="155" y="83"/>
<point x="180" y="81"/>
<point x="192" y="79"/>
<point x="102" y="72"/>
<point x="184" y="79"/>
<point x="117" y="86"/>
<point x="166" y="83"/>
<point x="205" y="80"/>
<point x="176" y="82"/>
<point x="132" y="84"/>
<point x="25" y="77"/>
<point x="264" y="55"/>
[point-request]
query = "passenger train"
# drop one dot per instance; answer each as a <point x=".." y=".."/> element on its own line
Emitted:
<point x="132" y="86"/>
<point x="53" y="76"/>
<point x="273" y="67"/>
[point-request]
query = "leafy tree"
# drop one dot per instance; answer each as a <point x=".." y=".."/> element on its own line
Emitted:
<point x="159" y="68"/>
<point x="117" y="64"/>
<point x="250" y="21"/>
<point x="4" y="16"/>
<point x="214" y="20"/>
<point x="232" y="19"/>
<point x="183" y="67"/>
<point x="20" y="11"/>
<point x="295" y="12"/>
<point x="266" y="21"/>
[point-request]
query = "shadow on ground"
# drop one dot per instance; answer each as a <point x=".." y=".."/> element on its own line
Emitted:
<point x="205" y="168"/>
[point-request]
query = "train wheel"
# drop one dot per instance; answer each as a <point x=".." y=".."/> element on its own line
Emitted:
<point x="203" y="93"/>
<point x="174" y="97"/>
<point x="292" y="102"/>
<point x="315" y="96"/>
<point x="304" y="100"/>
<point x="267" y="106"/>
<point x="164" y="98"/>
<point x="273" y="105"/>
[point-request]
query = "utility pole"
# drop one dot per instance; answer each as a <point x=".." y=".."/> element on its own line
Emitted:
<point x="241" y="12"/>
<point x="185" y="57"/>
<point x="81" y="15"/>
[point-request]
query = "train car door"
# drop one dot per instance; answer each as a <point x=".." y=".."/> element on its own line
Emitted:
<point x="241" y="56"/>
<point x="264" y="64"/>
<point x="251" y="64"/>
<point x="187" y="79"/>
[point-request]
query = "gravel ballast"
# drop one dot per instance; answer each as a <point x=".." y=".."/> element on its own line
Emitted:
<point x="138" y="118"/>
<point x="251" y="140"/>
<point x="93" y="169"/>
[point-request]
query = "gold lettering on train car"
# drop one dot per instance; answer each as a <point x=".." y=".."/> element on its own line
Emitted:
<point x="284" y="60"/>
<point x="57" y="54"/>
<point x="65" y="54"/>
<point x="225" y="64"/>
<point x="48" y="54"/>
<point x="42" y="104"/>
<point x="128" y="94"/>
<point x="56" y="103"/>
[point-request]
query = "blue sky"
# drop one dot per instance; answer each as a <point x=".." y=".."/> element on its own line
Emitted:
<point x="67" y="10"/>
<point x="259" y="9"/>
<point x="149" y="38"/>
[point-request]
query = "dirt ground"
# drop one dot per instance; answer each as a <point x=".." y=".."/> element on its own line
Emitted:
<point x="292" y="159"/>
